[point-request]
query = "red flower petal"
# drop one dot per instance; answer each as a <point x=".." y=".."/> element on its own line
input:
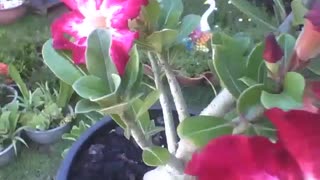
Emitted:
<point x="66" y="36"/>
<point x="243" y="158"/>
<point x="272" y="52"/>
<point x="120" y="49"/>
<point x="4" y="69"/>
<point x="299" y="132"/>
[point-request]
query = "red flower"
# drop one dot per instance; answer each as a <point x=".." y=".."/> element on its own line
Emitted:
<point x="272" y="52"/>
<point x="70" y="31"/>
<point x="295" y="156"/>
<point x="308" y="43"/>
<point x="4" y="69"/>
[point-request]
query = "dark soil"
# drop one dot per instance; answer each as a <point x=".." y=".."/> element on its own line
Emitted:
<point x="111" y="156"/>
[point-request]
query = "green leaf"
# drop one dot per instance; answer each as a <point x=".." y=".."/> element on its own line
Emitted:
<point x="65" y="93"/>
<point x="151" y="98"/>
<point x="133" y="68"/>
<point x="248" y="81"/>
<point x="162" y="39"/>
<point x="119" y="121"/>
<point x="99" y="62"/>
<point x="280" y="9"/>
<point x="254" y="61"/>
<point x="287" y="43"/>
<point x="156" y="156"/>
<point x="143" y="119"/>
<point x="291" y="96"/>
<point x="115" y="109"/>
<point x="298" y="10"/>
<point x="230" y="67"/>
<point x="201" y="129"/>
<point x="15" y="75"/>
<point x="249" y="102"/>
<point x="170" y="13"/>
<point x="61" y="67"/>
<point x="253" y="12"/>
<point x="151" y="13"/>
<point x="90" y="87"/>
<point x="85" y="106"/>
<point x="314" y="66"/>
<point x="189" y="23"/>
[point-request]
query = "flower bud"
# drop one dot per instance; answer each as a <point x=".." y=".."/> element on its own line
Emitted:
<point x="4" y="69"/>
<point x="272" y="52"/>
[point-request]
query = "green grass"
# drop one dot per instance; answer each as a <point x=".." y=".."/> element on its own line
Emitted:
<point x="35" y="163"/>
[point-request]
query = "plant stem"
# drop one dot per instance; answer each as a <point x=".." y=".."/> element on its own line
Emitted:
<point x="135" y="130"/>
<point x="175" y="89"/>
<point x="220" y="105"/>
<point x="170" y="129"/>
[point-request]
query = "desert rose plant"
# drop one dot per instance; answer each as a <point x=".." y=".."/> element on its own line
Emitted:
<point x="264" y="124"/>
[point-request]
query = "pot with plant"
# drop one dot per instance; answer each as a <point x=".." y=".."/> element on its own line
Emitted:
<point x="233" y="138"/>
<point x="9" y="133"/>
<point x="11" y="11"/>
<point x="46" y="113"/>
<point x="7" y="93"/>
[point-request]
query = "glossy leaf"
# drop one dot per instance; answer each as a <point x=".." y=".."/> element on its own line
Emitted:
<point x="148" y="102"/>
<point x="254" y="61"/>
<point x="156" y="156"/>
<point x="99" y="62"/>
<point x="287" y="43"/>
<point x="85" y="106"/>
<point x="143" y="119"/>
<point x="249" y="102"/>
<point x="15" y="75"/>
<point x="90" y="87"/>
<point x="201" y="129"/>
<point x="230" y="67"/>
<point x="298" y="10"/>
<point x="115" y="109"/>
<point x="132" y="73"/>
<point x="119" y="121"/>
<point x="170" y="13"/>
<point x="290" y="97"/>
<point x="61" y="67"/>
<point x="152" y="13"/>
<point x="161" y="39"/>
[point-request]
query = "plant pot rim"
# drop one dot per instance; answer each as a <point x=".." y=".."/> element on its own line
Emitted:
<point x="14" y="7"/>
<point x="12" y="90"/>
<point x="29" y="129"/>
<point x="7" y="149"/>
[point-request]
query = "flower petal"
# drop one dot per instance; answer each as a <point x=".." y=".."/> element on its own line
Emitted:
<point x="122" y="42"/>
<point x="299" y="132"/>
<point x="243" y="158"/>
<point x="272" y="52"/>
<point x="84" y="6"/>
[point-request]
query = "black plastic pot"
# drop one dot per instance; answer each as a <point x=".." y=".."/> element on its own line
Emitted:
<point x="76" y="147"/>
<point x="85" y="140"/>
<point x="9" y="95"/>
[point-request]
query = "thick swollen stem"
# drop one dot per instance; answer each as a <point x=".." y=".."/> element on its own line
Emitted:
<point x="135" y="131"/>
<point x="220" y="105"/>
<point x="170" y="129"/>
<point x="175" y="89"/>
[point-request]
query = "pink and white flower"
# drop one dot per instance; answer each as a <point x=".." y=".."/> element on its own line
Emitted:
<point x="71" y="30"/>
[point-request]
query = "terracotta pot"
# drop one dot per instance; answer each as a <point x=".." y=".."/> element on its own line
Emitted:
<point x="185" y="80"/>
<point x="11" y="15"/>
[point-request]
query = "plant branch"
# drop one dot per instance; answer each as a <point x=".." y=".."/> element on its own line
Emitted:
<point x="220" y="105"/>
<point x="136" y="131"/>
<point x="286" y="24"/>
<point x="175" y="89"/>
<point x="170" y="129"/>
